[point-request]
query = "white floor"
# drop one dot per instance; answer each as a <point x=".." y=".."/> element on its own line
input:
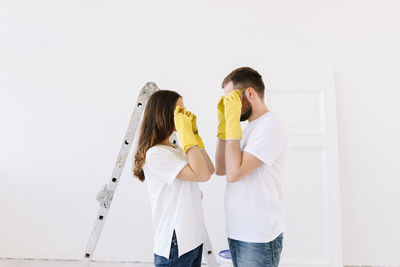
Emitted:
<point x="71" y="263"/>
<point x="62" y="263"/>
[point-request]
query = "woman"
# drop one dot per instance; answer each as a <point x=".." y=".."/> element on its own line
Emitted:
<point x="172" y="175"/>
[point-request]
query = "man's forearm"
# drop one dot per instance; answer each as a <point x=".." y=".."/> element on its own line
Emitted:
<point x="233" y="159"/>
<point x="220" y="158"/>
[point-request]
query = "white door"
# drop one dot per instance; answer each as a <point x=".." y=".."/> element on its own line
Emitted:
<point x="305" y="98"/>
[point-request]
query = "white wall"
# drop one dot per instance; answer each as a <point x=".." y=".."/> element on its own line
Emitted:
<point x="69" y="76"/>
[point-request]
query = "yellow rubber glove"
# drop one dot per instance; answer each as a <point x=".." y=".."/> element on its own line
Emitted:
<point x="232" y="111"/>
<point x="221" y="119"/>
<point x="183" y="125"/>
<point x="199" y="141"/>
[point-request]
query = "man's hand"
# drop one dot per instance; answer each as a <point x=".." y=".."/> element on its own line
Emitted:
<point x="232" y="111"/>
<point x="221" y="132"/>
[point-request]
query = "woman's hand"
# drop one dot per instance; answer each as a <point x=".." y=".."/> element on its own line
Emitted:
<point x="199" y="141"/>
<point x="184" y="127"/>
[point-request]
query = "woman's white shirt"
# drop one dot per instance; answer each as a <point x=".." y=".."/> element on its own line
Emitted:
<point x="176" y="204"/>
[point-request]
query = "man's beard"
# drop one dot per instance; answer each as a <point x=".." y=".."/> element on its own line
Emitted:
<point x="246" y="109"/>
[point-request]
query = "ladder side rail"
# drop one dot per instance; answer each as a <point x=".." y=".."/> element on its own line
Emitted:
<point x="105" y="196"/>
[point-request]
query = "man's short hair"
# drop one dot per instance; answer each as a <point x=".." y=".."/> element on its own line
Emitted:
<point x="246" y="77"/>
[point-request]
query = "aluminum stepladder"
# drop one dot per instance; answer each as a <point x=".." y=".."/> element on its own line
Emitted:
<point x="105" y="196"/>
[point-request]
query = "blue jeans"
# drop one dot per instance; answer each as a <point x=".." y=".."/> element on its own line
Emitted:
<point x="256" y="254"/>
<point x="189" y="259"/>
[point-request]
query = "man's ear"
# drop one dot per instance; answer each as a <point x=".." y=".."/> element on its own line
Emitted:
<point x="251" y="93"/>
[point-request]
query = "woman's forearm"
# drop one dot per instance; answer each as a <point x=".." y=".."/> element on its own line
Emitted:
<point x="197" y="163"/>
<point x="209" y="163"/>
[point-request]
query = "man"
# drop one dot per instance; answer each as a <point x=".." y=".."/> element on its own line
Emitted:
<point x="255" y="165"/>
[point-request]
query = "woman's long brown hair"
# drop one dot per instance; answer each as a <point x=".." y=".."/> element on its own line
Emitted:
<point x="157" y="125"/>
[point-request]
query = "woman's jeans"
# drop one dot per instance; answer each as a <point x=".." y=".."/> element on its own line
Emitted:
<point x="189" y="259"/>
<point x="245" y="254"/>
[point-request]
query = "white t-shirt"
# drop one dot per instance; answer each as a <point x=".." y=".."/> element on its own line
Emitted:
<point x="176" y="204"/>
<point x="253" y="205"/>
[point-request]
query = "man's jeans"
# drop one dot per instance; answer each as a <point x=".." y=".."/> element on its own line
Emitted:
<point x="189" y="259"/>
<point x="256" y="254"/>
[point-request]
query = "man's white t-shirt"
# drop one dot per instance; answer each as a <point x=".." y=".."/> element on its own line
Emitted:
<point x="253" y="205"/>
<point x="176" y="204"/>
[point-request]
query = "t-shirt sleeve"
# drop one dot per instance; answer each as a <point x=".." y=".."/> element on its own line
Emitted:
<point x="267" y="142"/>
<point x="165" y="164"/>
